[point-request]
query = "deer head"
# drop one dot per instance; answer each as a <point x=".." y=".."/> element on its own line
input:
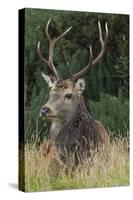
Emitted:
<point x="64" y="94"/>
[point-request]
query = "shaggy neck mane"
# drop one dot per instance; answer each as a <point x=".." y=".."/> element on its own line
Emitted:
<point x="76" y="133"/>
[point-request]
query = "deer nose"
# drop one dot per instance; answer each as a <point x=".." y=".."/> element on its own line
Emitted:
<point x="44" y="111"/>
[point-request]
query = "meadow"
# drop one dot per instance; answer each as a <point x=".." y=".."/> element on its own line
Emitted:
<point x="107" y="168"/>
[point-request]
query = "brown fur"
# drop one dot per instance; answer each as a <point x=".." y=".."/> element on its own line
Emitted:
<point x="74" y="133"/>
<point x="80" y="134"/>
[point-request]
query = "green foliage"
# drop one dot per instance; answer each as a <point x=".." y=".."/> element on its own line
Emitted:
<point x="110" y="76"/>
<point x="35" y="126"/>
<point x="113" y="112"/>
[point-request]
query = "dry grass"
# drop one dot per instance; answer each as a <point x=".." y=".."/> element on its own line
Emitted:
<point x="103" y="169"/>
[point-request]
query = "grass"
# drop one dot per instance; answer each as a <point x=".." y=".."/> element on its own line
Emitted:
<point x="107" y="168"/>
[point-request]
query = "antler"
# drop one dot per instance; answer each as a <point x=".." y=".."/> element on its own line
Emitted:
<point x="98" y="58"/>
<point x="52" y="43"/>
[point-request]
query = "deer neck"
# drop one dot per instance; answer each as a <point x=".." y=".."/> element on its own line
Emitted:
<point x="80" y="114"/>
<point x="55" y="127"/>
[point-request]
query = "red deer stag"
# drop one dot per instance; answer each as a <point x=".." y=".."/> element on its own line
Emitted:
<point x="73" y="130"/>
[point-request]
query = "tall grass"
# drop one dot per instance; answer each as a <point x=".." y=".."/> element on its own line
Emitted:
<point x="109" y="167"/>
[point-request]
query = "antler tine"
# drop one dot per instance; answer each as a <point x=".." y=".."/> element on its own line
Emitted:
<point x="47" y="27"/>
<point x="52" y="43"/>
<point x="63" y="34"/>
<point x="51" y="65"/>
<point x="100" y="34"/>
<point x="39" y="53"/>
<point x="49" y="62"/>
<point x="83" y="71"/>
<point x="103" y="43"/>
<point x="98" y="58"/>
<point x="51" y="51"/>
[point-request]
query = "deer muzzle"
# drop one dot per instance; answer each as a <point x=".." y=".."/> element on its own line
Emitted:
<point x="44" y="111"/>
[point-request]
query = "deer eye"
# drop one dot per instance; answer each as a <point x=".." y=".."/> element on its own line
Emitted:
<point x="68" y="96"/>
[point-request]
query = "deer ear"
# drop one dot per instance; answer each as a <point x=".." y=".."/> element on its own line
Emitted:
<point x="80" y="85"/>
<point x="47" y="79"/>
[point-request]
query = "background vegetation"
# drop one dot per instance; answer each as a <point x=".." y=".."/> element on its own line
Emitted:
<point x="107" y="83"/>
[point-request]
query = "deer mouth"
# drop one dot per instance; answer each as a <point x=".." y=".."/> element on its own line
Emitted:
<point x="48" y="116"/>
<point x="51" y="116"/>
